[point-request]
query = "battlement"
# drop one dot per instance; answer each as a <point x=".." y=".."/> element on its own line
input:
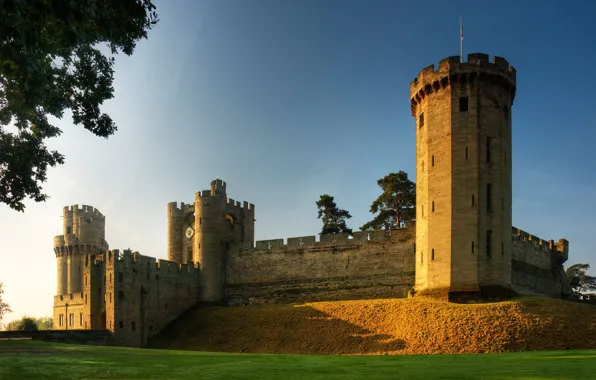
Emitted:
<point x="218" y="187"/>
<point x="126" y="256"/>
<point x="548" y="246"/>
<point x="325" y="240"/>
<point x="452" y="71"/>
<point x="84" y="211"/>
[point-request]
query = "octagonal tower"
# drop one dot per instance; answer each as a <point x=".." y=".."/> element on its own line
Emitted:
<point x="463" y="176"/>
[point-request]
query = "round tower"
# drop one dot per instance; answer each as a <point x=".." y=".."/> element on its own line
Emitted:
<point x="83" y="234"/>
<point x="211" y="229"/>
<point x="175" y="241"/>
<point x="463" y="176"/>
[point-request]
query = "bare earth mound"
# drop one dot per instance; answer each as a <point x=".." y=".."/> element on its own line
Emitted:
<point x="377" y="327"/>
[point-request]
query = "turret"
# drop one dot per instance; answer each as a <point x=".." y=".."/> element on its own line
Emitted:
<point x="463" y="175"/>
<point x="83" y="234"/>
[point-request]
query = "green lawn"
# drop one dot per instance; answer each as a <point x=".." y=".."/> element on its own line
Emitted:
<point x="24" y="359"/>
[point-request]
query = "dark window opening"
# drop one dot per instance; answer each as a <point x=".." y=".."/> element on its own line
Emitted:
<point x="502" y="249"/>
<point x="473" y="201"/>
<point x="421" y="257"/>
<point x="489" y="235"/>
<point x="467" y="152"/>
<point x="472" y="247"/>
<point x="433" y="206"/>
<point x="432" y="161"/>
<point x="68" y="230"/>
<point x="421" y="121"/>
<point x="488" y="197"/>
<point x="432" y="254"/>
<point x="121" y="324"/>
<point x="463" y="104"/>
<point x="488" y="143"/>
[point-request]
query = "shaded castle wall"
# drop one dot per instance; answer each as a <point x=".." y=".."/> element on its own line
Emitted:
<point x="537" y="265"/>
<point x="144" y="294"/>
<point x="369" y="265"/>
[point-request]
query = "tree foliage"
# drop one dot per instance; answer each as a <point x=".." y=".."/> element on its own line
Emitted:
<point x="50" y="62"/>
<point x="45" y="323"/>
<point x="27" y="323"/>
<point x="395" y="205"/>
<point x="4" y="307"/>
<point x="334" y="219"/>
<point x="579" y="280"/>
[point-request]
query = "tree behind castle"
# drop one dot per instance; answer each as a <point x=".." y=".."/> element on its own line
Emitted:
<point x="395" y="205"/>
<point x="334" y="218"/>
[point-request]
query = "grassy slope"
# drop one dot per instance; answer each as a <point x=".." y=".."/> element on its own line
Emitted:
<point x="24" y="360"/>
<point x="378" y="327"/>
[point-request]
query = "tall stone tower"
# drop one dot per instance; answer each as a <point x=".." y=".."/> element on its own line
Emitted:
<point x="83" y="234"/>
<point x="205" y="231"/>
<point x="463" y="176"/>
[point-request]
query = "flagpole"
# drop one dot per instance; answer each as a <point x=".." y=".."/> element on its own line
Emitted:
<point x="461" y="40"/>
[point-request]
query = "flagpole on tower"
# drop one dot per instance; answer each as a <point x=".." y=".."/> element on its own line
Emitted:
<point x="461" y="40"/>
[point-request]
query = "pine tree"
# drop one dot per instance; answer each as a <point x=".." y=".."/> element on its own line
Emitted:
<point x="334" y="219"/>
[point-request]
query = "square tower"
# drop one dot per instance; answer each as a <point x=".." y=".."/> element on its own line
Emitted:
<point x="463" y="176"/>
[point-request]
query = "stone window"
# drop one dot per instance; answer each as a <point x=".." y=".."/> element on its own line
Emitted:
<point x="472" y="247"/>
<point x="110" y="296"/>
<point x="463" y="104"/>
<point x="432" y="255"/>
<point x="422" y="210"/>
<point x="489" y="205"/>
<point x="61" y="320"/>
<point x="467" y="153"/>
<point x="71" y="318"/>
<point x="489" y="235"/>
<point x="432" y="161"/>
<point x="433" y="206"/>
<point x="421" y="121"/>
<point x="473" y="200"/>
<point x="488" y="144"/>
<point x="421" y="257"/>
<point x="81" y="319"/>
<point x="121" y="324"/>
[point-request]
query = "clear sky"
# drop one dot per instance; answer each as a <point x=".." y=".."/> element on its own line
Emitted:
<point x="287" y="100"/>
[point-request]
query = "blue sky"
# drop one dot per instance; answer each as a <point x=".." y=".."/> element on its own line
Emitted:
<point x="287" y="100"/>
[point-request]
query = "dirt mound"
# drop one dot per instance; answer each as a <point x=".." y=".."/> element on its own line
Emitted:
<point x="377" y="327"/>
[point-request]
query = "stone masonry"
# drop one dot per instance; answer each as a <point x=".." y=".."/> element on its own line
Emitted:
<point x="461" y="244"/>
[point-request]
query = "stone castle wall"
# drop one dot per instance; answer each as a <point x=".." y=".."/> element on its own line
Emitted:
<point x="144" y="294"/>
<point x="369" y="265"/>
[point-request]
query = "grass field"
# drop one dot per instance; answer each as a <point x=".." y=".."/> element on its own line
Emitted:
<point x="25" y="359"/>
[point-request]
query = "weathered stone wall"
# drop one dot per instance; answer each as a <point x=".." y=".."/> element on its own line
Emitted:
<point x="91" y="337"/>
<point x="369" y="265"/>
<point x="144" y="294"/>
<point x="536" y="265"/>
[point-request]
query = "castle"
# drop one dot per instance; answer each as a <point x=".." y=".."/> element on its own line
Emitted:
<point x="461" y="244"/>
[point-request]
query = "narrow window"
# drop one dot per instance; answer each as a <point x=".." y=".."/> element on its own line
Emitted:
<point x="489" y="235"/>
<point x="463" y="104"/>
<point x="467" y="153"/>
<point x="472" y="247"/>
<point x="85" y="280"/>
<point x="432" y="161"/>
<point x="473" y="201"/>
<point x="121" y="324"/>
<point x="432" y="255"/>
<point x="433" y="206"/>
<point x="68" y="230"/>
<point x="422" y="208"/>
<point x="502" y="249"/>
<point x="81" y="319"/>
<point x="110" y="296"/>
<point x="488" y="143"/>
<point x="110" y="278"/>
<point x="421" y="121"/>
<point x="488" y="197"/>
<point x="421" y="257"/>
<point x="132" y="326"/>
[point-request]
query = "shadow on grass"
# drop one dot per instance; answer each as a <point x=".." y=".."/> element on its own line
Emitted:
<point x="279" y="329"/>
